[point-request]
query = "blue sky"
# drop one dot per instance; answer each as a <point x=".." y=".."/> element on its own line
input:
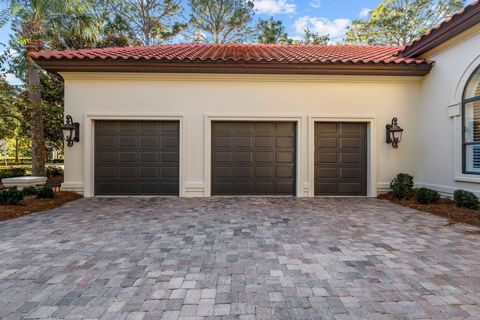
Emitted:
<point x="330" y="17"/>
<point x="324" y="16"/>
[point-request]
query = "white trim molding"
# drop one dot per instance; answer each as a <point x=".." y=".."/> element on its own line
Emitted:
<point x="73" y="187"/>
<point x="89" y="144"/>
<point x="372" y="186"/>
<point x="455" y="112"/>
<point x="299" y="120"/>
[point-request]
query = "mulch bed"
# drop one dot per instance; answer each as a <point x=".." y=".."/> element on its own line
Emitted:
<point x="30" y="205"/>
<point x="444" y="208"/>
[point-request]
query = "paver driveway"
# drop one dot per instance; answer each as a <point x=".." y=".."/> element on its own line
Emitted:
<point x="238" y="258"/>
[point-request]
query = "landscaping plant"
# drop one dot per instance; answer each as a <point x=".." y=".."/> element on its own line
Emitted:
<point x="11" y="196"/>
<point x="45" y="192"/>
<point x="29" y="191"/>
<point x="402" y="185"/>
<point x="426" y="196"/>
<point x="10" y="172"/>
<point x="53" y="171"/>
<point x="465" y="199"/>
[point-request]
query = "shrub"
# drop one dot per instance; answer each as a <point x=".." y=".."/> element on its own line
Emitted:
<point x="426" y="196"/>
<point x="10" y="172"/>
<point x="45" y="192"/>
<point x="465" y="199"/>
<point x="29" y="191"/>
<point x="11" y="196"/>
<point x="57" y="161"/>
<point x="402" y="185"/>
<point x="52" y="171"/>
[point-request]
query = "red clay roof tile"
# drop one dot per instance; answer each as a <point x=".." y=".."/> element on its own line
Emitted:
<point x="242" y="53"/>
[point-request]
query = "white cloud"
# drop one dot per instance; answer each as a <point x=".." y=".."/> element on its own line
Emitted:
<point x="274" y="7"/>
<point x="334" y="28"/>
<point x="11" y="79"/>
<point x="315" y="4"/>
<point x="364" y="12"/>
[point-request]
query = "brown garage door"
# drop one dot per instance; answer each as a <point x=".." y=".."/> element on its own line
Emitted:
<point x="340" y="158"/>
<point x="253" y="158"/>
<point x="136" y="157"/>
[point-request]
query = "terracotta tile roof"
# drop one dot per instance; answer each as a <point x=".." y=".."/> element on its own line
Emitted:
<point x="454" y="25"/>
<point x="242" y="53"/>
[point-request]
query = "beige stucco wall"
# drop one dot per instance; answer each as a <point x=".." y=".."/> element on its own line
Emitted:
<point x="440" y="130"/>
<point x="196" y="99"/>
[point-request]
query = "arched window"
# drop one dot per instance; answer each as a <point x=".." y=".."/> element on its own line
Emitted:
<point x="471" y="124"/>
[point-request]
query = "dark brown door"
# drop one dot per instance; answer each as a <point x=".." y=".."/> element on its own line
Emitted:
<point x="136" y="157"/>
<point x="340" y="158"/>
<point x="253" y="158"/>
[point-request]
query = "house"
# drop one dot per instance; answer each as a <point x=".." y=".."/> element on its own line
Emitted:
<point x="201" y="120"/>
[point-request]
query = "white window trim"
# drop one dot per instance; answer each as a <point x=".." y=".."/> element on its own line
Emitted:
<point x="371" y="149"/>
<point x="300" y="165"/>
<point x="455" y="112"/>
<point x="89" y="147"/>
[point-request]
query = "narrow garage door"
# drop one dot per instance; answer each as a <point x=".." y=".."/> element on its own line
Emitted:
<point x="253" y="158"/>
<point x="340" y="158"/>
<point x="136" y="157"/>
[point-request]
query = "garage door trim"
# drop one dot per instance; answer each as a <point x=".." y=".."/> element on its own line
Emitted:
<point x="372" y="187"/>
<point x="208" y="145"/>
<point x="89" y="145"/>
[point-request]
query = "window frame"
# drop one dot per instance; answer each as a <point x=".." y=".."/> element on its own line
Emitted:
<point x="464" y="103"/>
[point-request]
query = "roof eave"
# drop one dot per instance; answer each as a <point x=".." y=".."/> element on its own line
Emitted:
<point x="152" y="66"/>
<point x="439" y="36"/>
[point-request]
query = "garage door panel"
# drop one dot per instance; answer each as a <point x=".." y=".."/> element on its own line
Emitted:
<point x="261" y="157"/>
<point x="264" y="156"/>
<point x="340" y="158"/>
<point x="326" y="142"/>
<point x="353" y="158"/>
<point x="136" y="157"/>
<point x="350" y="143"/>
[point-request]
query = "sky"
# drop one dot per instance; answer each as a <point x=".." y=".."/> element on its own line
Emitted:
<point x="330" y="17"/>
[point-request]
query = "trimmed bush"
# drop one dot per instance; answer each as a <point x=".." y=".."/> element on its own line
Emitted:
<point x="45" y="192"/>
<point x="465" y="199"/>
<point x="29" y="191"/>
<point x="402" y="185"/>
<point x="52" y="171"/>
<point x="11" y="196"/>
<point x="10" y="172"/>
<point x="426" y="196"/>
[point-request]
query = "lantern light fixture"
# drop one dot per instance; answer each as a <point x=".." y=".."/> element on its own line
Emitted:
<point x="394" y="133"/>
<point x="71" y="131"/>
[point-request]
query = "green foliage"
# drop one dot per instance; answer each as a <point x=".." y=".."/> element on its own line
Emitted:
<point x="10" y="119"/>
<point x="53" y="171"/>
<point x="222" y="21"/>
<point x="271" y="31"/>
<point x="399" y="22"/>
<point x="29" y="191"/>
<point x="426" y="196"/>
<point x="10" y="196"/>
<point x="314" y="38"/>
<point x="10" y="172"/>
<point x="45" y="192"/>
<point x="465" y="199"/>
<point x="402" y="185"/>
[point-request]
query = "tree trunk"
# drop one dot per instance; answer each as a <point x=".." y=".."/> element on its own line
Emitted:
<point x="38" y="139"/>
<point x="16" y="149"/>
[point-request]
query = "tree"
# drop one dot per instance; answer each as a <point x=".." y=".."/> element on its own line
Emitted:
<point x="10" y="119"/>
<point x="271" y="31"/>
<point x="151" y="21"/>
<point x="34" y="25"/>
<point x="314" y="38"/>
<point x="222" y="21"/>
<point x="399" y="22"/>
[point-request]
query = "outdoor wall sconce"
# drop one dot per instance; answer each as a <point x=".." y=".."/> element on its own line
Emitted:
<point x="394" y="133"/>
<point x="71" y="131"/>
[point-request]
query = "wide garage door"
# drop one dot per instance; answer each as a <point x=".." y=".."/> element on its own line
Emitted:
<point x="253" y="158"/>
<point x="340" y="158"/>
<point x="136" y="157"/>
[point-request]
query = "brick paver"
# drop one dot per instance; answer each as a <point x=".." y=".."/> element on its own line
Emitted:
<point x="238" y="258"/>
